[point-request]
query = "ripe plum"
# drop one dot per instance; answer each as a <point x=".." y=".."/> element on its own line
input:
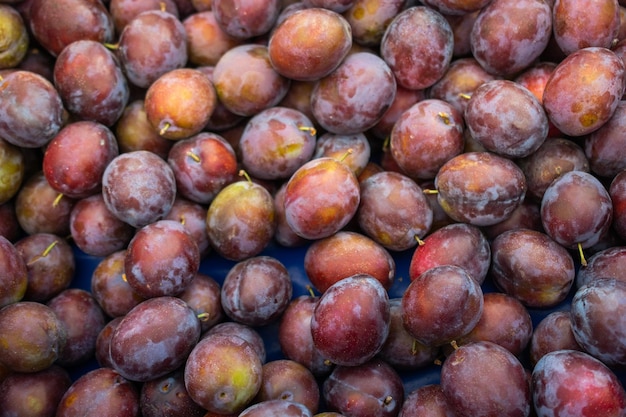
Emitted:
<point x="285" y="379"/>
<point x="480" y="188"/>
<point x="12" y="169"/>
<point x="123" y="11"/>
<point x="584" y="90"/>
<point x="552" y="333"/>
<point x="276" y="407"/>
<point x="79" y="174"/>
<point x="607" y="263"/>
<point x="151" y="44"/>
<point x="569" y="382"/>
<point x="246" y="81"/>
<point x="347" y="253"/>
<point x="167" y="395"/>
<point x="351" y="320"/>
<point x="425" y="136"/>
<point x="603" y="146"/>
<point x="354" y="150"/>
<point x="138" y="187"/>
<point x="506" y="393"/>
<point x="276" y="142"/>
<point x="243" y="19"/>
<point x="506" y="118"/>
<point x="206" y="40"/>
<point x="617" y="192"/>
<point x="508" y="36"/>
<point x="309" y="44"/>
<point x="135" y="133"/>
<point x="15" y="273"/>
<point x="441" y="305"/>
<point x="154" y="338"/>
<point x="354" y="96"/>
<point x="16" y="39"/>
<point x="321" y="197"/>
<point x="426" y="400"/>
<point x="90" y="81"/>
<point x="594" y="309"/>
<point x="369" y="20"/>
<point x="203" y="296"/>
<point x="240" y="220"/>
<point x="256" y="291"/>
<point x="412" y="35"/>
<point x="394" y="211"/>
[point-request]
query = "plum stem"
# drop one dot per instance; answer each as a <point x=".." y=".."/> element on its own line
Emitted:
<point x="243" y="173"/>
<point x="445" y="117"/>
<point x="312" y="131"/>
<point x="388" y="399"/>
<point x="57" y="200"/>
<point x="204" y="316"/>
<point x="162" y="6"/>
<point x="583" y="261"/>
<point x="193" y="156"/>
<point x="124" y="278"/>
<point x="310" y="290"/>
<point x="454" y="344"/>
<point x="182" y="220"/>
<point x="164" y="129"/>
<point x="386" y="143"/>
<point x="346" y="154"/>
<point x="430" y="191"/>
<point x="420" y="242"/>
<point x="465" y="96"/>
<point x="112" y="46"/>
<point x="45" y="253"/>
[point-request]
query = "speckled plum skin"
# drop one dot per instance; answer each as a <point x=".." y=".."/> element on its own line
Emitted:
<point x="256" y="291"/>
<point x="355" y="96"/>
<point x="552" y="333"/>
<point x="480" y="188"/>
<point x="154" y="338"/>
<point x="138" y="187"/>
<point x="394" y="210"/>
<point x="241" y="220"/>
<point x="309" y="44"/>
<point x="591" y="219"/>
<point x="504" y="393"/>
<point x="321" y="198"/>
<point x="418" y="46"/>
<point x="532" y="267"/>
<point x="584" y="90"/>
<point x="91" y="83"/>
<point x="425" y="136"/>
<point x="570" y="383"/>
<point x="574" y="30"/>
<point x="441" y="305"/>
<point x="223" y="389"/>
<point x="351" y="320"/>
<point x="459" y="244"/>
<point x="161" y="259"/>
<point x="506" y="118"/>
<point x="606" y="263"/>
<point x="151" y="44"/>
<point x="596" y="310"/>
<point x="31" y="109"/>
<point x="509" y="35"/>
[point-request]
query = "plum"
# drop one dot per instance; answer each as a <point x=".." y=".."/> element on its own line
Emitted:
<point x="552" y="333"/>
<point x="285" y="379"/>
<point x="15" y="273"/>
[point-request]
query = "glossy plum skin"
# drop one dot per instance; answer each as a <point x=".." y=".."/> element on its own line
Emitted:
<point x="415" y="33"/>
<point x="506" y="119"/>
<point x="91" y="83"/>
<point x="347" y="253"/>
<point x="577" y="107"/>
<point x="355" y="96"/>
<point x="31" y="336"/>
<point x="256" y="291"/>
<point x="373" y="388"/>
<point x="569" y="382"/>
<point x="532" y="267"/>
<point x="351" y="320"/>
<point x="465" y="246"/>
<point x="593" y="215"/>
<point x="421" y="152"/>
<point x="102" y="391"/>
<point x="161" y="259"/>
<point x="593" y="309"/>
<point x="505" y="393"/>
<point x="442" y="304"/>
<point x="138" y="187"/>
<point x="142" y="350"/>
<point x="309" y="44"/>
<point x="509" y="35"/>
<point x="79" y="174"/>
<point x="480" y="188"/>
<point x="321" y="198"/>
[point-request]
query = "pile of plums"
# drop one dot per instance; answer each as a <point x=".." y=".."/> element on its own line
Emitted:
<point x="312" y="208"/>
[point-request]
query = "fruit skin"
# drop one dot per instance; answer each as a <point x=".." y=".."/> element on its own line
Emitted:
<point x="573" y="383"/>
<point x="14" y="282"/>
<point x="15" y="37"/>
<point x="480" y="188"/>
